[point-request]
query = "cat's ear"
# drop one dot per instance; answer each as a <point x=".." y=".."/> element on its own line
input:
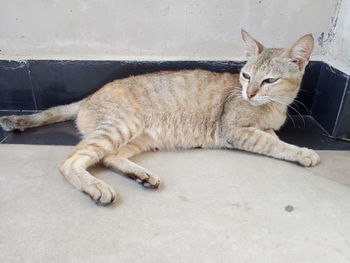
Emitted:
<point x="252" y="47"/>
<point x="301" y="50"/>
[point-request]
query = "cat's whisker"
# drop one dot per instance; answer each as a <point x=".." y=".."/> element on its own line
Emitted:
<point x="290" y="117"/>
<point x="301" y="116"/>
<point x="306" y="108"/>
<point x="285" y="104"/>
<point x="295" y="100"/>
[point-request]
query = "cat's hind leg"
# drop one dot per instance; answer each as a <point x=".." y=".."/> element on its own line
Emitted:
<point x="100" y="143"/>
<point x="120" y="163"/>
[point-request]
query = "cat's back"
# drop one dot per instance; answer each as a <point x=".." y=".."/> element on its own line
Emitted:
<point x="184" y="88"/>
<point x="189" y="80"/>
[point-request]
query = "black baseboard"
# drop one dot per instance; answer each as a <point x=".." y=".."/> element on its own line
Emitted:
<point x="39" y="84"/>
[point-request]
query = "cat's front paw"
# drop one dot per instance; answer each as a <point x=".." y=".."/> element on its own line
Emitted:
<point x="307" y="157"/>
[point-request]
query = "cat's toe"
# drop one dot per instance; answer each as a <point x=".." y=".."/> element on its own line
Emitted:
<point x="148" y="180"/>
<point x="308" y="157"/>
<point x="152" y="182"/>
<point x="101" y="193"/>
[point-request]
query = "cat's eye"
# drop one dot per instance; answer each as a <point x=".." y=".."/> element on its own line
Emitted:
<point x="246" y="76"/>
<point x="270" y="80"/>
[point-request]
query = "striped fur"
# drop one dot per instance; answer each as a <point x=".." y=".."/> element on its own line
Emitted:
<point x="180" y="110"/>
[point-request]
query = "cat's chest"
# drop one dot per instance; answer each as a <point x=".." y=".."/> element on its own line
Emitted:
<point x="245" y="115"/>
<point x="271" y="120"/>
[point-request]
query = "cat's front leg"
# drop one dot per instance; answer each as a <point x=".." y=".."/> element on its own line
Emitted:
<point x="258" y="141"/>
<point x="272" y="132"/>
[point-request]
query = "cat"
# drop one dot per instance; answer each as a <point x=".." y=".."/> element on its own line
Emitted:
<point x="180" y="110"/>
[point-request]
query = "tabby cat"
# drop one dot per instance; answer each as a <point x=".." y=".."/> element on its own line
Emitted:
<point x="181" y="110"/>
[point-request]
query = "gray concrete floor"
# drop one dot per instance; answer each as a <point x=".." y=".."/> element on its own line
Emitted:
<point x="213" y="206"/>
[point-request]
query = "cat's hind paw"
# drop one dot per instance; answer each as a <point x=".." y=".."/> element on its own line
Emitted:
<point x="100" y="192"/>
<point x="146" y="179"/>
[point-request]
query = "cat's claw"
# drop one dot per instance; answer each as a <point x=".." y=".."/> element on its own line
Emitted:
<point x="307" y="157"/>
<point x="101" y="193"/>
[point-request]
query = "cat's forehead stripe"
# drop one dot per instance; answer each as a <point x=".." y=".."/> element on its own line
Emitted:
<point x="268" y="62"/>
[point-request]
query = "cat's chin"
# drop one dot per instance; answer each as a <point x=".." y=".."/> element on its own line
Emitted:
<point x="257" y="103"/>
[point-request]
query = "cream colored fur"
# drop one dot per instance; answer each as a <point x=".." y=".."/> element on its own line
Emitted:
<point x="180" y="110"/>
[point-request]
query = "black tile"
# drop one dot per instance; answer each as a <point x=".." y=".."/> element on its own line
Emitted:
<point x="3" y="135"/>
<point x="16" y="89"/>
<point x="305" y="132"/>
<point x="304" y="100"/>
<point x="62" y="82"/>
<point x="342" y="125"/>
<point x="329" y="96"/>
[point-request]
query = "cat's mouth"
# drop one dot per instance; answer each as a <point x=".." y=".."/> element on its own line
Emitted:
<point x="257" y="100"/>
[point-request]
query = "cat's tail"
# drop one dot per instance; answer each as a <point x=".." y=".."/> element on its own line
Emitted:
<point x="49" y="116"/>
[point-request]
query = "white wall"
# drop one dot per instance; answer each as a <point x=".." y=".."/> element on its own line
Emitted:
<point x="155" y="29"/>
<point x="337" y="51"/>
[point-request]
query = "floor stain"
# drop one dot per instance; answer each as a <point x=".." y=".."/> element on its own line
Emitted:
<point x="245" y="206"/>
<point x="238" y="205"/>
<point x="289" y="208"/>
<point x="183" y="198"/>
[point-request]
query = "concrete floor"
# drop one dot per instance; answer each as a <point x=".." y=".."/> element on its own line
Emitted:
<point x="213" y="206"/>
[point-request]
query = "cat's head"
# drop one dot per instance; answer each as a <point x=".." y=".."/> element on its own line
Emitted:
<point x="273" y="74"/>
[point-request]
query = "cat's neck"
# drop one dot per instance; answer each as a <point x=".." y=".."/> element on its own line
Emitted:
<point x="282" y="108"/>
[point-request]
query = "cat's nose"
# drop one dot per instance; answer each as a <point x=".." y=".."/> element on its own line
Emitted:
<point x="250" y="94"/>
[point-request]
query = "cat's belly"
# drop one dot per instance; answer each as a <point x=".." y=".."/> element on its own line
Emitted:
<point x="171" y="137"/>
